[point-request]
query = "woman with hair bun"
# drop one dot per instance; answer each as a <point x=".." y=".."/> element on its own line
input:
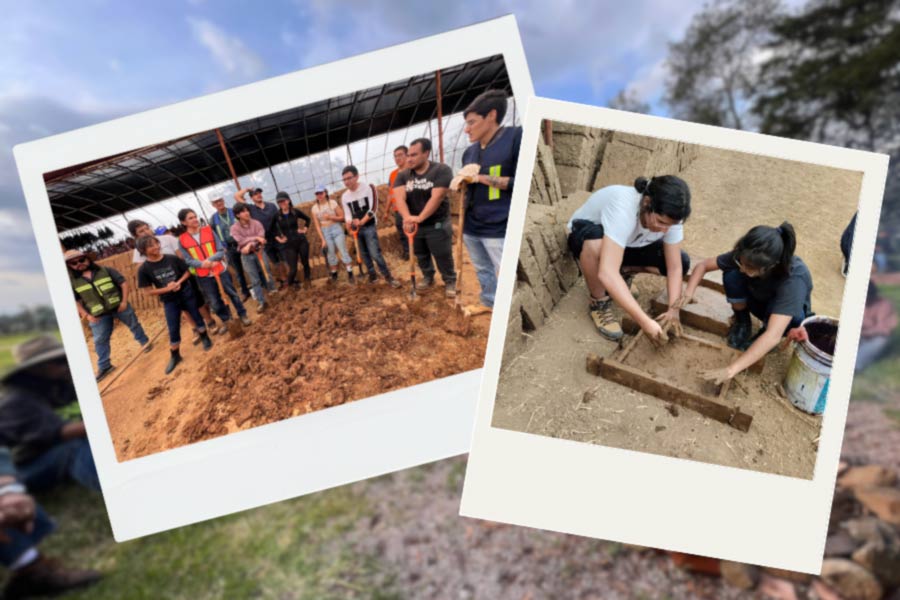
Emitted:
<point x="623" y="230"/>
<point x="763" y="278"/>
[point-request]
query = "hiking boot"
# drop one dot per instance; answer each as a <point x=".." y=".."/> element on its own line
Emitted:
<point x="196" y="339"/>
<point x="601" y="312"/>
<point x="245" y="296"/>
<point x="373" y="278"/>
<point x="207" y="342"/>
<point x="245" y="320"/>
<point x="424" y="284"/>
<point x="333" y="278"/>
<point x="222" y="330"/>
<point x="739" y="333"/>
<point x="261" y="308"/>
<point x="147" y="347"/>
<point x="104" y="372"/>
<point x="393" y="282"/>
<point x="47" y="577"/>
<point x="174" y="360"/>
<point x="450" y="290"/>
<point x="350" y="277"/>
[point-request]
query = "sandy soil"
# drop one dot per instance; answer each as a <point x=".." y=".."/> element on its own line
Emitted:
<point x="294" y="359"/>
<point x="732" y="192"/>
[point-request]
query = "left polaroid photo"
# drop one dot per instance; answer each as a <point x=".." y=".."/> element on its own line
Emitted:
<point x="282" y="280"/>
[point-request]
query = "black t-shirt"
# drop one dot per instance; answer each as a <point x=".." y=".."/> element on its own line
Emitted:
<point x="161" y="273"/>
<point x="790" y="295"/>
<point x="418" y="190"/>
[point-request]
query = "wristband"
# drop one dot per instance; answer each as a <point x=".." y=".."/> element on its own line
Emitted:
<point x="12" y="488"/>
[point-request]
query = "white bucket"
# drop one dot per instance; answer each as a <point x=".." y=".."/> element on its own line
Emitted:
<point x="809" y="373"/>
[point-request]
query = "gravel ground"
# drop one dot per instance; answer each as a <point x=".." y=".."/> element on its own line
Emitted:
<point x="433" y="553"/>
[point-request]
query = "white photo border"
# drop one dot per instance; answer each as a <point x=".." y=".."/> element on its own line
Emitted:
<point x="304" y="454"/>
<point x="658" y="501"/>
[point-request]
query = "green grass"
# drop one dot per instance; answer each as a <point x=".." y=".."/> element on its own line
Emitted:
<point x="882" y="379"/>
<point x="293" y="549"/>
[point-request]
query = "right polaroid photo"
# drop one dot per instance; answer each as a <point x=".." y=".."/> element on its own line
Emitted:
<point x="680" y="292"/>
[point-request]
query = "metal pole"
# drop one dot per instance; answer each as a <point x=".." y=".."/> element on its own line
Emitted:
<point x="200" y="204"/>
<point x="272" y="173"/>
<point x="228" y="159"/>
<point x="440" y="115"/>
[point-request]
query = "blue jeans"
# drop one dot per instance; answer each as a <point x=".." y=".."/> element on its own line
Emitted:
<point x="370" y="249"/>
<point x="103" y="328"/>
<point x="485" y="254"/>
<point x="737" y="291"/>
<point x="252" y="270"/>
<point x="334" y="238"/>
<point x="217" y="304"/>
<point x="19" y="541"/>
<point x="66" y="461"/>
<point x="870" y="350"/>
<point x="184" y="301"/>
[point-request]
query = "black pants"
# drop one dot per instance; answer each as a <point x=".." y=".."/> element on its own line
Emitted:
<point x="651" y="255"/>
<point x="295" y="248"/>
<point x="234" y="259"/>
<point x="435" y="241"/>
<point x="401" y="235"/>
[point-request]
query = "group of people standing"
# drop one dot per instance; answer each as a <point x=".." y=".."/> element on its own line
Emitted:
<point x="264" y="242"/>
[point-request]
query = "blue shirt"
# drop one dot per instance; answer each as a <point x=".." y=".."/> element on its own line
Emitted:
<point x="487" y="209"/>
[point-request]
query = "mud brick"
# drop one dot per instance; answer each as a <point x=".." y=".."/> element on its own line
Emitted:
<point x="551" y="280"/>
<point x="529" y="304"/>
<point x="567" y="272"/>
<point x="528" y="265"/>
<point x="641" y="141"/>
<point x="536" y="243"/>
<point x="544" y="298"/>
<point x="551" y="243"/>
<point x="883" y="501"/>
<point x="709" y="313"/>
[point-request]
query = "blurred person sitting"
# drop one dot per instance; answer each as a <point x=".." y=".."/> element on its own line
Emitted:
<point x="46" y="449"/>
<point x="23" y="525"/>
<point x="101" y="295"/>
<point x="879" y="321"/>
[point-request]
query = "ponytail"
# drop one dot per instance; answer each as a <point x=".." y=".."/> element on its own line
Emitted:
<point x="788" y="245"/>
<point x="766" y="248"/>
<point x="669" y="196"/>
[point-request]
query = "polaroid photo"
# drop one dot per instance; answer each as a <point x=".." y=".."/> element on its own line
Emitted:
<point x="240" y="310"/>
<point x="673" y="349"/>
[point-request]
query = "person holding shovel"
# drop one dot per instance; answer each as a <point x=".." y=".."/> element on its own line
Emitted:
<point x="101" y="295"/>
<point x="763" y="277"/>
<point x="265" y="213"/>
<point x="400" y="159"/>
<point x="623" y="230"/>
<point x="328" y="217"/>
<point x="421" y="196"/>
<point x="251" y="239"/>
<point x="495" y="150"/>
<point x="205" y="258"/>
<point x="167" y="276"/>
<point x="360" y="204"/>
<point x="291" y="236"/>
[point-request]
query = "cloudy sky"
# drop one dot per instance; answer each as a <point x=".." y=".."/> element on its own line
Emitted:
<point x="67" y="65"/>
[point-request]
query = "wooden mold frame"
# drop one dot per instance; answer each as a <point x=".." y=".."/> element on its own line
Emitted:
<point x="715" y="407"/>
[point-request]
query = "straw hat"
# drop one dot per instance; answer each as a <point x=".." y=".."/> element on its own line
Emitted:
<point x="35" y="351"/>
<point x="70" y="254"/>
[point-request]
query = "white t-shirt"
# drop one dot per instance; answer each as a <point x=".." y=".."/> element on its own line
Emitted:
<point x="359" y="202"/>
<point x="617" y="208"/>
<point x="168" y="244"/>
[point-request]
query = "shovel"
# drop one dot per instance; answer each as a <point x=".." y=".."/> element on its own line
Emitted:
<point x="355" y="232"/>
<point x="234" y="325"/>
<point x="410" y="235"/>
<point x="262" y="267"/>
<point x="459" y="246"/>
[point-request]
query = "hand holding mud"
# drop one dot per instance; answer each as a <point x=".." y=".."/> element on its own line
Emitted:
<point x="671" y="321"/>
<point x="716" y="376"/>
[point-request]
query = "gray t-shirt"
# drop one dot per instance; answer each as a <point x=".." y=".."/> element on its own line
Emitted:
<point x="617" y="208"/>
<point x="790" y="295"/>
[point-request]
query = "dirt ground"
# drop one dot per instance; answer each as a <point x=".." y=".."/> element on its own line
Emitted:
<point x="313" y="349"/>
<point x="541" y="390"/>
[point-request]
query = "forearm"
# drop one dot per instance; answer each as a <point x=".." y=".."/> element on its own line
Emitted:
<point x="400" y="204"/>
<point x="673" y="281"/>
<point x="618" y="290"/>
<point x="72" y="430"/>
<point x="432" y="205"/>
<point x="500" y="183"/>
<point x="124" y="290"/>
<point x="763" y="344"/>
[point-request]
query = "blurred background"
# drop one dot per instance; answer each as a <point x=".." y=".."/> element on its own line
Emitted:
<point x="824" y="70"/>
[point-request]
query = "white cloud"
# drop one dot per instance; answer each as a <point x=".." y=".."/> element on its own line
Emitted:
<point x="650" y="81"/>
<point x="30" y="289"/>
<point x="227" y="50"/>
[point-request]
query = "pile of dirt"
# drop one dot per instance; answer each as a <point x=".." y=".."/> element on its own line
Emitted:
<point x="343" y="344"/>
<point x="675" y="363"/>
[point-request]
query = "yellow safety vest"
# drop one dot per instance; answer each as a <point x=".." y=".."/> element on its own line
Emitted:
<point x="100" y="294"/>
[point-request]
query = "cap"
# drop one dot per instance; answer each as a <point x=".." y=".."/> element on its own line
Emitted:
<point x="35" y="351"/>
<point x="282" y="196"/>
<point x="160" y="230"/>
<point x="70" y="254"/>
<point x="320" y="189"/>
<point x="255" y="191"/>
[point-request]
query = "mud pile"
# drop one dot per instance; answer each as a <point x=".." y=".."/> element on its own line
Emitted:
<point x="310" y="352"/>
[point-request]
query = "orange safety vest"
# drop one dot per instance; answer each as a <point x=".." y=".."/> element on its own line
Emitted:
<point x="201" y="251"/>
<point x="393" y="204"/>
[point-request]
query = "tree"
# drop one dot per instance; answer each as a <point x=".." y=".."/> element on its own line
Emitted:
<point x="714" y="69"/>
<point x="834" y="74"/>
<point x="628" y="99"/>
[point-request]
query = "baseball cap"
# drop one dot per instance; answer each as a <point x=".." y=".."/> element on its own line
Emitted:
<point x="320" y="189"/>
<point x="282" y="196"/>
<point x="255" y="191"/>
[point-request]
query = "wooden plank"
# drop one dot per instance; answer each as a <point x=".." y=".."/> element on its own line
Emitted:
<point x="641" y="381"/>
<point x="710" y="313"/>
<point x="627" y="350"/>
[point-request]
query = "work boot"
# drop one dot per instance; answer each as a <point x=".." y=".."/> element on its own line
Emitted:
<point x="350" y="276"/>
<point x="147" y="347"/>
<point x="601" y="312"/>
<point x="741" y="328"/>
<point x="245" y="295"/>
<point x="196" y="339"/>
<point x="261" y="308"/>
<point x="333" y="279"/>
<point x="174" y="360"/>
<point x="207" y="342"/>
<point x="393" y="282"/>
<point x="47" y="577"/>
<point x="222" y="330"/>
<point x="450" y="290"/>
<point x="424" y="284"/>
<point x="373" y="278"/>
<point x="245" y="320"/>
<point x="104" y="372"/>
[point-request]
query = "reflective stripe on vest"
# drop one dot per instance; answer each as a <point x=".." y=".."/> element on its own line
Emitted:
<point x="201" y="251"/>
<point x="494" y="193"/>
<point x="100" y="295"/>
